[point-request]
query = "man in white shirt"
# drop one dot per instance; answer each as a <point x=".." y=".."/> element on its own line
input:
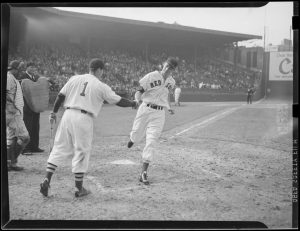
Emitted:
<point x="150" y="117"/>
<point x="177" y="93"/>
<point x="83" y="97"/>
<point x="17" y="135"/>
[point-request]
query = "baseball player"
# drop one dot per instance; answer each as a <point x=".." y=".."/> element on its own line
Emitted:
<point x="177" y="93"/>
<point x="83" y="96"/>
<point x="16" y="133"/>
<point x="150" y="118"/>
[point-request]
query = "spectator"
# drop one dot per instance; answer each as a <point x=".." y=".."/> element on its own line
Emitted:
<point x="126" y="67"/>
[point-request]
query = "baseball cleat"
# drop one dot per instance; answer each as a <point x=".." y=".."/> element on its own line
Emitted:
<point x="143" y="178"/>
<point x="130" y="143"/>
<point x="45" y="187"/>
<point x="82" y="192"/>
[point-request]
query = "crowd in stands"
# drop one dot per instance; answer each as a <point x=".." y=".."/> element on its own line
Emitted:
<point x="124" y="69"/>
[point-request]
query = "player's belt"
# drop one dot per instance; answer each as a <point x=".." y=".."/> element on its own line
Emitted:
<point x="82" y="111"/>
<point x="155" y="106"/>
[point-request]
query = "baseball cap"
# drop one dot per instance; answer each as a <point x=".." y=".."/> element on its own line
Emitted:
<point x="173" y="63"/>
<point x="96" y="63"/>
<point x="13" y="65"/>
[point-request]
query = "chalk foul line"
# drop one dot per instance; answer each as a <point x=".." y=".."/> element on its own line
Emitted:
<point x="216" y="117"/>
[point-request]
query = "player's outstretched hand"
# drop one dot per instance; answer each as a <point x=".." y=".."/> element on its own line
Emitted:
<point x="171" y="111"/>
<point x="52" y="118"/>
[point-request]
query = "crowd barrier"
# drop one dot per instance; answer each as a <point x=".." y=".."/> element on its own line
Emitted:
<point x="194" y="95"/>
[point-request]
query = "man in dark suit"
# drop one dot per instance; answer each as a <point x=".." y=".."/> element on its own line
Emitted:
<point x="31" y="118"/>
<point x="250" y="93"/>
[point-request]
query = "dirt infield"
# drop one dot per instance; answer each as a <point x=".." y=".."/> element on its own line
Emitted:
<point x="215" y="162"/>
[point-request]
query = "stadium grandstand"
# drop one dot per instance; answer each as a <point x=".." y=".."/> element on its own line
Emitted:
<point x="212" y="66"/>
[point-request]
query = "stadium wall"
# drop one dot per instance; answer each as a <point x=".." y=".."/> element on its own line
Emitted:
<point x="276" y="89"/>
<point x="189" y="95"/>
<point x="246" y="57"/>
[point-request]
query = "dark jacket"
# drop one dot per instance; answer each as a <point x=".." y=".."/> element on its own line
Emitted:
<point x="27" y="109"/>
<point x="31" y="120"/>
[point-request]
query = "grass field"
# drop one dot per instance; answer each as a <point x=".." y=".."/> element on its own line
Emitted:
<point x="225" y="161"/>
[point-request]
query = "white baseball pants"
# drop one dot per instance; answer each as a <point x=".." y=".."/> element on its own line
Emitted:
<point x="73" y="138"/>
<point x="149" y="122"/>
<point x="176" y="98"/>
<point x="15" y="127"/>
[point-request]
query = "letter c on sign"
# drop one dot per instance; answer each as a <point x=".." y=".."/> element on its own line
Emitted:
<point x="287" y="61"/>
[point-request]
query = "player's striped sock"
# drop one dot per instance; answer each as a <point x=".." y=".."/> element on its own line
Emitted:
<point x="50" y="170"/>
<point x="79" y="180"/>
<point x="79" y="176"/>
<point x="51" y="167"/>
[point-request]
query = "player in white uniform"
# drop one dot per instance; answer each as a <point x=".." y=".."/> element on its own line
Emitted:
<point x="83" y="96"/>
<point x="17" y="136"/>
<point x="177" y="93"/>
<point x="150" y="117"/>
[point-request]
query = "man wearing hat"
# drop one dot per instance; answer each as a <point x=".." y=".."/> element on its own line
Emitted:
<point x="31" y="118"/>
<point x="250" y="93"/>
<point x="16" y="133"/>
<point x="82" y="97"/>
<point x="150" y="118"/>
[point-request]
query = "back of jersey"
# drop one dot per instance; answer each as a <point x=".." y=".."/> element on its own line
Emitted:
<point x="83" y="92"/>
<point x="86" y="92"/>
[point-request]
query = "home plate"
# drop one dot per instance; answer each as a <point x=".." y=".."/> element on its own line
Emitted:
<point x="123" y="162"/>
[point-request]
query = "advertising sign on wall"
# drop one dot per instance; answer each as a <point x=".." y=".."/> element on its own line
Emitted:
<point x="281" y="66"/>
<point x="271" y="48"/>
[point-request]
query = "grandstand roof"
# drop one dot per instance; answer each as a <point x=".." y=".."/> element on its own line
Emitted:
<point x="128" y="29"/>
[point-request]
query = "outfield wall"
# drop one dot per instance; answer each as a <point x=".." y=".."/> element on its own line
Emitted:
<point x="278" y="84"/>
<point x="198" y="95"/>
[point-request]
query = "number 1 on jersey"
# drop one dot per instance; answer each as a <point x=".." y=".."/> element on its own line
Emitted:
<point x="83" y="91"/>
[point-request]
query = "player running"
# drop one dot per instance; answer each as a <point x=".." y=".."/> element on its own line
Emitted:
<point x="150" y="117"/>
<point x="83" y="96"/>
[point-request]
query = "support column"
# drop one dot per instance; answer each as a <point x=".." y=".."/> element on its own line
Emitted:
<point x="195" y="58"/>
<point x="146" y="53"/>
<point x="89" y="46"/>
<point x="235" y="53"/>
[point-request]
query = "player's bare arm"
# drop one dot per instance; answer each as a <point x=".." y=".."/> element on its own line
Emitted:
<point x="58" y="101"/>
<point x="138" y="94"/>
